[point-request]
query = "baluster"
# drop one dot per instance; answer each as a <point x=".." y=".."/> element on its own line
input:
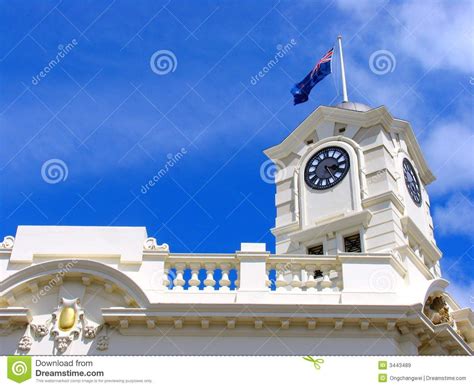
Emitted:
<point x="311" y="282"/>
<point x="210" y="282"/>
<point x="337" y="280"/>
<point x="334" y="276"/>
<point x="166" y="277"/>
<point x="296" y="282"/>
<point x="224" y="283"/>
<point x="237" y="279"/>
<point x="268" y="282"/>
<point x="179" y="281"/>
<point x="281" y="283"/>
<point x="194" y="282"/>
<point x="326" y="283"/>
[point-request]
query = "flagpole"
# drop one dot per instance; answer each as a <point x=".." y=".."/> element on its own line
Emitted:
<point x="343" y="72"/>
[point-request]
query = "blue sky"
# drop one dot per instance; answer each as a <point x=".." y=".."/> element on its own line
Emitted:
<point x="114" y="123"/>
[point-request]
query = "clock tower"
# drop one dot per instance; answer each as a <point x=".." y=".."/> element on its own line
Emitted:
<point x="353" y="179"/>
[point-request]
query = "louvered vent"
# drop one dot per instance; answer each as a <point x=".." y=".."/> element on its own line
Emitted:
<point x="352" y="243"/>
<point x="316" y="250"/>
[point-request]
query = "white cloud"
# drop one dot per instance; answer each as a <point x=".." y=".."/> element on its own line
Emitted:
<point x="455" y="217"/>
<point x="373" y="91"/>
<point x="449" y="151"/>
<point x="436" y="34"/>
<point x="362" y="9"/>
<point x="463" y="294"/>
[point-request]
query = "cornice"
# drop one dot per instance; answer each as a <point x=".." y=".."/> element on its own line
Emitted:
<point x="344" y="221"/>
<point x="466" y="315"/>
<point x="349" y="319"/>
<point x="285" y="229"/>
<point x="16" y="315"/>
<point x="370" y="118"/>
<point x="330" y="311"/>
<point x="411" y="229"/>
<point x="290" y="143"/>
<point x="425" y="173"/>
<point x="465" y="322"/>
<point x="446" y="328"/>
<point x="252" y="255"/>
<point x="384" y="197"/>
<point x="405" y="249"/>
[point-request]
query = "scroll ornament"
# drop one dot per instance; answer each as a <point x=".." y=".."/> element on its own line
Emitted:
<point x="150" y="244"/>
<point x="8" y="242"/>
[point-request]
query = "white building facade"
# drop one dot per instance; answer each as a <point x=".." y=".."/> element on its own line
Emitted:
<point x="356" y="269"/>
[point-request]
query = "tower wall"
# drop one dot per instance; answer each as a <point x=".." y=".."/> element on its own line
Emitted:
<point x="371" y="200"/>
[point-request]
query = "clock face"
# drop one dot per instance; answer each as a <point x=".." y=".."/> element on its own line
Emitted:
<point x="326" y="168"/>
<point x="412" y="182"/>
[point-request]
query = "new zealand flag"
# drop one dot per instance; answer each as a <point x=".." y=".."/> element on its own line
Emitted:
<point x="302" y="89"/>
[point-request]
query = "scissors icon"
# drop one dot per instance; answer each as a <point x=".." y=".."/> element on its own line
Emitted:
<point x="316" y="361"/>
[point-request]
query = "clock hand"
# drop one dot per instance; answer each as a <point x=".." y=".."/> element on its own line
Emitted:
<point x="330" y="173"/>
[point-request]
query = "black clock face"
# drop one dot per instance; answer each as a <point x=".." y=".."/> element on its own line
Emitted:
<point x="412" y="182"/>
<point x="326" y="168"/>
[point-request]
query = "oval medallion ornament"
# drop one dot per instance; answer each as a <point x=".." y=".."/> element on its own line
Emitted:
<point x="67" y="318"/>
<point x="327" y="168"/>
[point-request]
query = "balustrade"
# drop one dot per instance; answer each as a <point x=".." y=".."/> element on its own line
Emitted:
<point x="305" y="273"/>
<point x="188" y="276"/>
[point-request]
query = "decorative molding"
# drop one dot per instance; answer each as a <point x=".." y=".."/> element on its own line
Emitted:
<point x="411" y="229"/>
<point x="150" y="244"/>
<point x="15" y="316"/>
<point x="344" y="221"/>
<point x="102" y="343"/>
<point x="90" y="332"/>
<point x="437" y="332"/>
<point x="8" y="242"/>
<point x="40" y="330"/>
<point x="367" y="119"/>
<point x="68" y="320"/>
<point x="384" y="197"/>
<point x="25" y="343"/>
<point x="437" y="310"/>
<point x="95" y="269"/>
<point x="420" y="265"/>
<point x="285" y="229"/>
<point x="210" y="315"/>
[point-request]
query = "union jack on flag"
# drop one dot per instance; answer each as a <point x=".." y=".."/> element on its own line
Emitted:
<point x="327" y="58"/>
<point x="302" y="89"/>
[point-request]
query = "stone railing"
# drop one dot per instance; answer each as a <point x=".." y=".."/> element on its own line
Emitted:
<point x="252" y="271"/>
<point x="189" y="272"/>
<point x="304" y="273"/>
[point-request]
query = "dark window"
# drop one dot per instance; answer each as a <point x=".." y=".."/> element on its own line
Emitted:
<point x="318" y="274"/>
<point x="352" y="243"/>
<point x="316" y="250"/>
